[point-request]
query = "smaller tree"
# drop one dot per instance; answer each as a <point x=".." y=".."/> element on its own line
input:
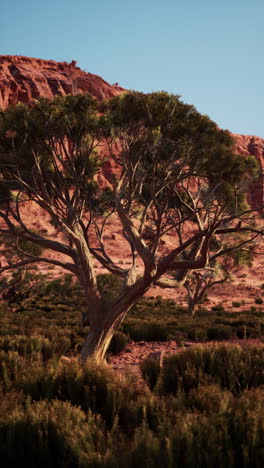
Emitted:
<point x="222" y="268"/>
<point x="19" y="287"/>
<point x="198" y="284"/>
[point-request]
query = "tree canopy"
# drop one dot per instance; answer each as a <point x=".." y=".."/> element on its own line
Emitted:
<point x="177" y="174"/>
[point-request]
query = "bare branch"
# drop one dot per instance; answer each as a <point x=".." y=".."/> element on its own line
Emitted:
<point x="11" y="266"/>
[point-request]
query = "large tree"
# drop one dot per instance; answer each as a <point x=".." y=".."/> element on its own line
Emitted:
<point x="177" y="176"/>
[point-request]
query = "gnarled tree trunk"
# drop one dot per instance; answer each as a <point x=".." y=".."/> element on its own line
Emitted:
<point x="105" y="321"/>
<point x="97" y="342"/>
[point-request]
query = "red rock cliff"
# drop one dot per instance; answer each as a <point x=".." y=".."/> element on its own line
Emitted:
<point x="253" y="145"/>
<point x="23" y="79"/>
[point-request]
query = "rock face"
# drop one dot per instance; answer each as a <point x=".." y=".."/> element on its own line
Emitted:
<point x="23" y="79"/>
<point x="253" y="145"/>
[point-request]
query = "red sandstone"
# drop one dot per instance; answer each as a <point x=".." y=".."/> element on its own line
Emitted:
<point x="23" y="79"/>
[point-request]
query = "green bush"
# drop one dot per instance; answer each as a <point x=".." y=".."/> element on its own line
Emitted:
<point x="229" y="435"/>
<point x="234" y="368"/>
<point x="11" y="367"/>
<point x="208" y="399"/>
<point x="118" y="343"/>
<point x="53" y="434"/>
<point x="146" y="331"/>
<point x="245" y="332"/>
<point x="198" y="334"/>
<point x="91" y="387"/>
<point x="218" y="308"/>
<point x="26" y="346"/>
<point x="219" y="333"/>
<point x="200" y="413"/>
<point x="150" y="371"/>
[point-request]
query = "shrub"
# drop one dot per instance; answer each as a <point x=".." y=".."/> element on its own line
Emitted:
<point x="220" y="333"/>
<point x="91" y="387"/>
<point x="26" y="346"/>
<point x="232" y="367"/>
<point x="198" y="334"/>
<point x="245" y="332"/>
<point x="242" y="257"/>
<point x="150" y="370"/>
<point x="11" y="366"/>
<point x="53" y="434"/>
<point x="258" y="300"/>
<point x="118" y="343"/>
<point x="208" y="399"/>
<point x="147" y="331"/>
<point x="218" y="308"/>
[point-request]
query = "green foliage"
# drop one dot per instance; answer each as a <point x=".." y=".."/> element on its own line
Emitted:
<point x="150" y="370"/>
<point x="242" y="257"/>
<point x="164" y="126"/>
<point x="53" y="309"/>
<point x="204" y="421"/>
<point x="146" y="331"/>
<point x="68" y="415"/>
<point x="220" y="333"/>
<point x="27" y="139"/>
<point x="118" y="343"/>
<point x="91" y="388"/>
<point x="26" y="346"/>
<point x="233" y="367"/>
<point x="54" y="434"/>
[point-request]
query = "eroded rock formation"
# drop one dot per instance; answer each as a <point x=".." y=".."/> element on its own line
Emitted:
<point x="253" y="145"/>
<point x="23" y="79"/>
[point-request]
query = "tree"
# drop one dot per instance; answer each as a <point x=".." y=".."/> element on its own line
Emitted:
<point x="197" y="285"/>
<point x="19" y="287"/>
<point x="178" y="176"/>
<point x="219" y="270"/>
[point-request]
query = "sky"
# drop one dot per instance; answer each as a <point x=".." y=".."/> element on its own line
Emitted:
<point x="208" y="52"/>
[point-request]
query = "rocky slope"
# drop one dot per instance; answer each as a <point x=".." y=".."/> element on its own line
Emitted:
<point x="249" y="144"/>
<point x="23" y="79"/>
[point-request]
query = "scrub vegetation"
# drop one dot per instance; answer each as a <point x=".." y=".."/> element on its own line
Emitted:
<point x="203" y="407"/>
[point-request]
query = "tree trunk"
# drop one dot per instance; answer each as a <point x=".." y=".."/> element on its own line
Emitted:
<point x="99" y="338"/>
<point x="104" y="321"/>
<point x="191" y="305"/>
<point x="97" y="343"/>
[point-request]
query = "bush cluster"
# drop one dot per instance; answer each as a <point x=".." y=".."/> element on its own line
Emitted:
<point x="204" y="407"/>
<point x="232" y="367"/>
<point x="74" y="416"/>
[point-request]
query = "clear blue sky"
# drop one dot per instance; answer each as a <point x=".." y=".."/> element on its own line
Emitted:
<point x="209" y="52"/>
